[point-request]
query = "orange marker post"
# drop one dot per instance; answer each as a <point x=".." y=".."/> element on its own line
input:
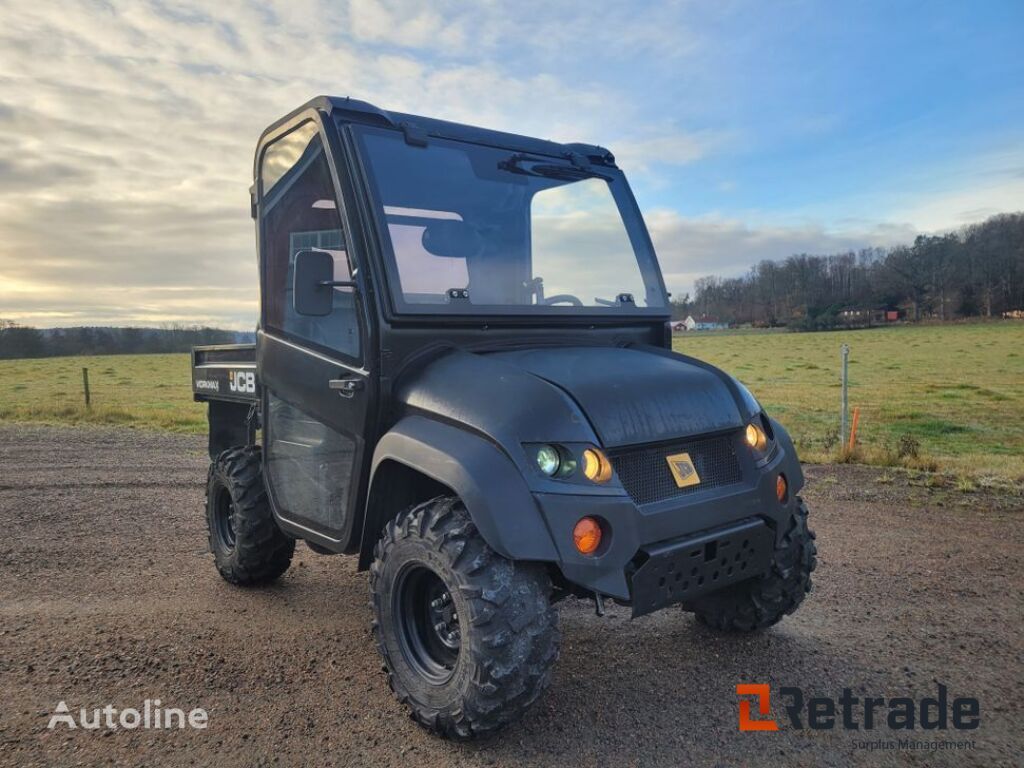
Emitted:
<point x="853" y="429"/>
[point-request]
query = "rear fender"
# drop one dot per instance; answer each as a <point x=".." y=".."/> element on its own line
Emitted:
<point x="470" y="467"/>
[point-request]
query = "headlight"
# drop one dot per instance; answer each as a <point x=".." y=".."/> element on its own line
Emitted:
<point x="564" y="462"/>
<point x="756" y="438"/>
<point x="548" y="460"/>
<point x="759" y="438"/>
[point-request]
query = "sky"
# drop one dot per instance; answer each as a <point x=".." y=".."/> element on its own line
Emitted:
<point x="749" y="130"/>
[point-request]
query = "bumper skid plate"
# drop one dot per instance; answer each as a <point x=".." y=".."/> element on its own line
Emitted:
<point x="683" y="569"/>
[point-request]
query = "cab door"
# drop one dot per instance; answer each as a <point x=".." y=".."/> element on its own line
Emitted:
<point x="316" y="387"/>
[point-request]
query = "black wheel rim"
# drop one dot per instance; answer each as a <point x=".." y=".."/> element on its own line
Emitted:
<point x="223" y="520"/>
<point x="427" y="623"/>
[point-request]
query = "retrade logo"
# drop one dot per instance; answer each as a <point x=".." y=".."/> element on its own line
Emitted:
<point x="853" y="713"/>
<point x="761" y="693"/>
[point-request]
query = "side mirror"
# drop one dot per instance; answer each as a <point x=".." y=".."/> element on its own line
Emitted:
<point x="313" y="283"/>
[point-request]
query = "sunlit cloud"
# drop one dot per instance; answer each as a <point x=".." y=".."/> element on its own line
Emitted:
<point x="690" y="248"/>
<point x="127" y="131"/>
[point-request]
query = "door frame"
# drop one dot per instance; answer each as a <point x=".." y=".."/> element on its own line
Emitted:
<point x="274" y="343"/>
<point x="308" y="360"/>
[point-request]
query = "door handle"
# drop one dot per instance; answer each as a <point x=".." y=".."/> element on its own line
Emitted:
<point x="346" y="387"/>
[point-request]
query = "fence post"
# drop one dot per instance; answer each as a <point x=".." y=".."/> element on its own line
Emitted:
<point x="844" y="353"/>
<point x="85" y="387"/>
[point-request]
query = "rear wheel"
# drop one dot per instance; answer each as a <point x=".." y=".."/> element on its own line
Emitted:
<point x="759" y="603"/>
<point x="248" y="547"/>
<point x="468" y="638"/>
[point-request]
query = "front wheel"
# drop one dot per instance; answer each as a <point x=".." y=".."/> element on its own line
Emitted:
<point x="761" y="602"/>
<point x="468" y="638"/>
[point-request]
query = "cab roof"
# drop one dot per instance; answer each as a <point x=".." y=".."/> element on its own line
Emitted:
<point x="418" y="129"/>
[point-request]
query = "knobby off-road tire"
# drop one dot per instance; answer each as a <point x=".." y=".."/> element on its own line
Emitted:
<point x="759" y="603"/>
<point x="431" y="567"/>
<point x="248" y="547"/>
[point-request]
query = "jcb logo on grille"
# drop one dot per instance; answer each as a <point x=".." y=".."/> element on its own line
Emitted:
<point x="683" y="471"/>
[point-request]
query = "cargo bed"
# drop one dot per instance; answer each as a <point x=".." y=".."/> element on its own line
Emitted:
<point x="224" y="372"/>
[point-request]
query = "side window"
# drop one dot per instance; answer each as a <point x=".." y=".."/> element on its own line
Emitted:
<point x="310" y="465"/>
<point x="299" y="213"/>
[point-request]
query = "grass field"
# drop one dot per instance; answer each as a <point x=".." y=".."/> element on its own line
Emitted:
<point x="137" y="390"/>
<point x="956" y="393"/>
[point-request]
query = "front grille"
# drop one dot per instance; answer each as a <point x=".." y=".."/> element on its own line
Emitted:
<point x="646" y="476"/>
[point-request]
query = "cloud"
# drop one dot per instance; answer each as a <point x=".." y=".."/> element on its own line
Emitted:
<point x="693" y="247"/>
<point x="670" y="147"/>
<point x="529" y="30"/>
<point x="409" y="26"/>
<point x="127" y="130"/>
<point x="950" y="208"/>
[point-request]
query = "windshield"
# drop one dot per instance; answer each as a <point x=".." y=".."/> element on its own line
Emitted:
<point x="473" y="228"/>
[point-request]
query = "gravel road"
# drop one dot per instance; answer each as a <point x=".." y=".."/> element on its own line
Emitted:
<point x="108" y="596"/>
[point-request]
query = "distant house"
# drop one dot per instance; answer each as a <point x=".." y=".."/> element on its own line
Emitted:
<point x="679" y="326"/>
<point x="869" y="315"/>
<point x="704" y="324"/>
<point x="1014" y="314"/>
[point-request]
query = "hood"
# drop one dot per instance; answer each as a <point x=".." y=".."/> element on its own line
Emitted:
<point x="631" y="396"/>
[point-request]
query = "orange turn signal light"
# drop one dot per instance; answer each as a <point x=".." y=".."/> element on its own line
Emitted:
<point x="587" y="535"/>
<point x="781" y="488"/>
<point x="596" y="466"/>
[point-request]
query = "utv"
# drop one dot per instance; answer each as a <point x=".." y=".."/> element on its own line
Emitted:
<point x="463" y="374"/>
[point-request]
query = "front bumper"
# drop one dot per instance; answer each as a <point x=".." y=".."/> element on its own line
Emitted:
<point x="687" y="568"/>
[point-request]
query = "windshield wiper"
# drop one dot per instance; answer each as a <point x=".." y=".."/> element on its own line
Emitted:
<point x="529" y="166"/>
<point x="622" y="300"/>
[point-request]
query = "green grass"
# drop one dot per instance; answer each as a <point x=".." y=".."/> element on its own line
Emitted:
<point x="957" y="391"/>
<point x="134" y="390"/>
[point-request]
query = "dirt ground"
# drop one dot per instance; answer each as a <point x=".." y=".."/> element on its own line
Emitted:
<point x="108" y="596"/>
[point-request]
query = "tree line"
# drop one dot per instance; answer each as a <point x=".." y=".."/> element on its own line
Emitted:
<point x="977" y="271"/>
<point x="19" y="341"/>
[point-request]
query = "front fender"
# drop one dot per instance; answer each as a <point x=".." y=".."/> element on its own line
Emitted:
<point x="480" y="474"/>
<point x="795" y="474"/>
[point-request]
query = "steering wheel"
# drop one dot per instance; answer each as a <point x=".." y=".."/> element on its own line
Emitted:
<point x="563" y="297"/>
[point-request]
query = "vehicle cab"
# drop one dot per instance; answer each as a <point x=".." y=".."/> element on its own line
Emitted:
<point x="437" y="237"/>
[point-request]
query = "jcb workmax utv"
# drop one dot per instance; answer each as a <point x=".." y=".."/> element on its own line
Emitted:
<point x="463" y="375"/>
